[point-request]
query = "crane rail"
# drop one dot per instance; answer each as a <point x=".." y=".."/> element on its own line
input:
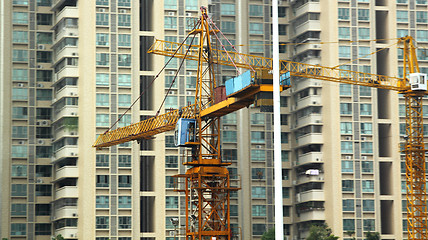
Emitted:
<point x="297" y="69"/>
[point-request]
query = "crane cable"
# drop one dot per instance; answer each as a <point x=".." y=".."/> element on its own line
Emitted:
<point x="151" y="83"/>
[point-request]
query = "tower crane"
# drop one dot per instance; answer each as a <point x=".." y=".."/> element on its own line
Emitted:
<point x="197" y="126"/>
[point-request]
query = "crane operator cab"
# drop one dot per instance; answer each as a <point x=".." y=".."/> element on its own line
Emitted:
<point x="418" y="81"/>
<point x="185" y="131"/>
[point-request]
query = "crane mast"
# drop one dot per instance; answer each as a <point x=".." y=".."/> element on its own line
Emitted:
<point x="207" y="184"/>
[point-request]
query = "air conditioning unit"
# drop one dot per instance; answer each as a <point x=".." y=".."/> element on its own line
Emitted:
<point x="40" y="142"/>
<point x="317" y="159"/>
<point x="363" y="138"/>
<point x="294" y="182"/>
<point x="21" y="142"/>
<point x="259" y="146"/>
<point x="41" y="47"/>
<point x="189" y="93"/>
<point x="74" y="54"/>
<point x="317" y="121"/>
<point x="172" y="92"/>
<point x="73" y="235"/>
<point x="73" y="113"/>
<point x="44" y="122"/>
<point x="101" y="10"/>
<point x="314" y="102"/>
<point x="188" y="14"/>
<point x="189" y="73"/>
<point x="73" y="154"/>
<point x="348" y="138"/>
<point x="122" y="11"/>
<point x="71" y="34"/>
<point x="348" y="157"/>
<point x="171" y="72"/>
<point x="74" y="214"/>
<point x="71" y="93"/>
<point x="39" y="180"/>
<point x="21" y="85"/>
<point x="225" y="127"/>
<point x="39" y="66"/>
<point x="316" y="46"/>
<point x="363" y="157"/>
<point x="72" y="133"/>
<point x="40" y="85"/>
<point x="171" y="14"/>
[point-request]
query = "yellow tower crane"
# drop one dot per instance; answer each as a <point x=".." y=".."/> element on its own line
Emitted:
<point x="207" y="182"/>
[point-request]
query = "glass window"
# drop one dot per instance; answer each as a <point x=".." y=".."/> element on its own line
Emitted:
<point x="258" y="155"/>
<point x="257" y="137"/>
<point x="368" y="205"/>
<point x="344" y="51"/>
<point x="259" y="210"/>
<point x="124" y="121"/>
<point x="18" y="229"/>
<point x="259" y="229"/>
<point x="229" y="136"/>
<point x="171" y="102"/>
<point x="344" y="33"/>
<point x="125" y="161"/>
<point x="227" y="9"/>
<point x="367" y="166"/>
<point x="125" y="181"/>
<point x="102" y="2"/>
<point x="348" y="205"/>
<point x="19" y="74"/>
<point x="170" y="4"/>
<point x="256" y="46"/>
<point x="102" y="181"/>
<point x="363" y="14"/>
<point x="19" y="94"/>
<point x="44" y="19"/>
<point x="124" y="100"/>
<point x="190" y="82"/>
<point x="102" y="59"/>
<point x="256" y="28"/>
<point x="102" y="120"/>
<point x="402" y="16"/>
<point x="347" y="185"/>
<point x="19" y="190"/>
<point x="124" y="3"/>
<point x="367" y="185"/>
<point x="19" y="132"/>
<point x="44" y="38"/>
<point x="365" y="109"/>
<point x="285" y="192"/>
<point x="169" y="82"/>
<point x="343" y="13"/>
<point x="124" y="201"/>
<point x="19" y="171"/>
<point x="169" y="141"/>
<point x="103" y="79"/>
<point x="19" y="151"/>
<point x="42" y="229"/>
<point x="18" y="209"/>
<point x="170" y="23"/>
<point x="421" y="16"/>
<point x="230" y="154"/>
<point x="228" y="27"/>
<point x="369" y="225"/>
<point x="285" y="156"/>
<point x="44" y="190"/>
<point x="258" y="192"/>
<point x="20" y="37"/>
<point x="102" y="19"/>
<point x="102" y="100"/>
<point x="102" y="39"/>
<point x="20" y="18"/>
<point x="19" y="113"/>
<point x="20" y="55"/>
<point x="284" y="137"/>
<point x="366" y="128"/>
<point x="364" y="33"/>
<point x="171" y="202"/>
<point x="171" y="161"/>
<point x="282" y="30"/>
<point x="124" y="80"/>
<point x="102" y="201"/>
<point x="20" y="2"/>
<point x="365" y="91"/>
<point x="44" y="94"/>
<point x="102" y="222"/>
<point x="366" y="147"/>
<point x="191" y="4"/>
<point x="256" y="10"/>
<point x="124" y="40"/>
<point x="346" y="147"/>
<point x="169" y="182"/>
<point x="347" y="166"/>
<point x="102" y="160"/>
<point x="258" y="173"/>
<point x="345" y="89"/>
<point x="346" y="127"/>
<point x="348" y="225"/>
<point x="257" y="118"/>
<point x="44" y="57"/>
<point x="124" y="20"/>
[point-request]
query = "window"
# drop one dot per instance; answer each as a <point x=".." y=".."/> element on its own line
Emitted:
<point x="171" y="202"/>
<point x="229" y="136"/>
<point x="366" y="147"/>
<point x="171" y="161"/>
<point x="256" y="11"/>
<point x="18" y="229"/>
<point x="44" y="94"/>
<point x="102" y="59"/>
<point x="124" y="100"/>
<point x="102" y="39"/>
<point x="363" y="52"/>
<point x="102" y="19"/>
<point x="102" y="202"/>
<point x="20" y="37"/>
<point x="367" y="166"/>
<point x="284" y="137"/>
<point x="168" y="223"/>
<point x="256" y="46"/>
<point x="44" y="19"/>
<point x="169" y="82"/>
<point x="102" y="100"/>
<point x="282" y="47"/>
<point x="346" y="108"/>
<point x="102" y="120"/>
<point x="124" y="20"/>
<point x="228" y="27"/>
<point x="258" y="155"/>
<point x="19" y="94"/>
<point x="20" y="55"/>
<point x="282" y="29"/>
<point x="44" y="190"/>
<point x="364" y="33"/>
<point x="125" y="181"/>
<point x="191" y="4"/>
<point x="230" y="154"/>
<point x="347" y="166"/>
<point x="344" y="33"/>
<point x="344" y="51"/>
<point x="421" y="1"/>
<point x="256" y="28"/>
<point x="346" y="147"/>
<point x="102" y="79"/>
<point x="124" y="80"/>
<point x="421" y="17"/>
<point x="102" y="2"/>
<point x="171" y="102"/>
<point x="258" y="192"/>
<point x="18" y="209"/>
<point x="367" y="186"/>
<point x="102" y="222"/>
<point x="402" y="16"/>
<point x="190" y="82"/>
<point x="20" y="18"/>
<point x="19" y="190"/>
<point x="19" y="171"/>
<point x="347" y="185"/>
<point x="259" y="229"/>
<point x="170" y="23"/>
<point x="368" y="205"/>
<point x="20" y="75"/>
<point x="19" y="151"/>
<point x="43" y="209"/>
<point x="348" y="205"/>
<point x="348" y="225"/>
<point x="258" y="173"/>
<point x="343" y="13"/>
<point x="44" y="76"/>
<point x="282" y="11"/>
<point x="102" y="160"/>
<point x="285" y="156"/>
<point x="124" y="160"/>
<point x="369" y="225"/>
<point x="170" y="4"/>
<point x="345" y="89"/>
<point x="257" y="137"/>
<point x="169" y="141"/>
<point x="365" y="91"/>
<point x="366" y="128"/>
<point x="124" y="3"/>
<point x="346" y="128"/>
<point x="401" y="1"/>
<point x="169" y="182"/>
<point x="363" y="14"/>
<point x="20" y="2"/>
<point x="227" y="9"/>
<point x="102" y="181"/>
<point x="258" y="210"/>
<point x="44" y="38"/>
<point x="124" y="40"/>
<point x="257" y="118"/>
<point x="125" y="201"/>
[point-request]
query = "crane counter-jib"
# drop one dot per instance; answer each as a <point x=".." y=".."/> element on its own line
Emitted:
<point x="247" y="61"/>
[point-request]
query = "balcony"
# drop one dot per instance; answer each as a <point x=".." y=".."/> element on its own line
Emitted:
<point x="67" y="232"/>
<point x="308" y="101"/>
<point x="67" y="192"/>
<point x="67" y="71"/>
<point x="306" y="47"/>
<point x="310" y="25"/>
<point x="312" y="214"/>
<point x="67" y="111"/>
<point x="304" y="178"/>
<point x="308" y="7"/>
<point x="65" y="212"/>
<point x="70" y="51"/>
<point x="311" y="138"/>
<point x="63" y="132"/>
<point x="67" y="12"/>
<point x="311" y="195"/>
<point x="67" y="151"/>
<point x="67" y="91"/>
<point x="66" y="32"/>
<point x="313" y="157"/>
<point x="67" y="172"/>
<point x="311" y="119"/>
<point x="303" y="83"/>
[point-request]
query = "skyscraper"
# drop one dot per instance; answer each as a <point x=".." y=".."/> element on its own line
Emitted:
<point x="70" y="69"/>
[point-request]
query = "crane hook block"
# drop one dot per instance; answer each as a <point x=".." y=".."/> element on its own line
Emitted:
<point x="418" y="81"/>
<point x="185" y="131"/>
